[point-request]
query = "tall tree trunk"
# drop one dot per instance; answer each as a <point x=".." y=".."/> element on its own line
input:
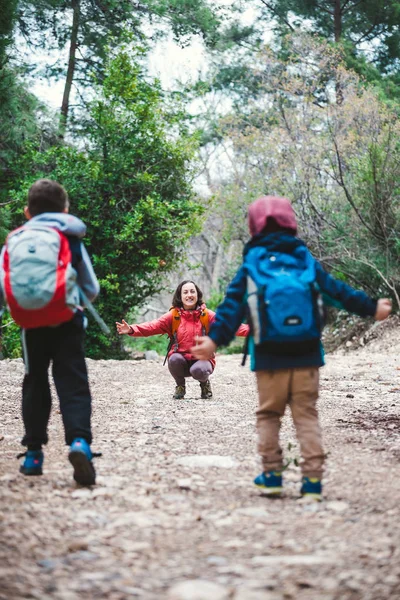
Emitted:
<point x="8" y="15"/>
<point x="337" y="20"/>
<point x="338" y="34"/>
<point x="75" y="4"/>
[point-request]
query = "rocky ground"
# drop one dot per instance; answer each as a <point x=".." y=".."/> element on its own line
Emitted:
<point x="174" y="514"/>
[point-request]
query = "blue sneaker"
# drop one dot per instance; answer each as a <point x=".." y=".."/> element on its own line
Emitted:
<point x="33" y="463"/>
<point x="80" y="456"/>
<point x="311" y="487"/>
<point x="271" y="482"/>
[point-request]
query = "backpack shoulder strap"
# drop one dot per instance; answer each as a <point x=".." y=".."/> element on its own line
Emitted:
<point x="205" y="321"/>
<point x="76" y="250"/>
<point x="310" y="271"/>
<point x="176" y="320"/>
<point x="18" y="229"/>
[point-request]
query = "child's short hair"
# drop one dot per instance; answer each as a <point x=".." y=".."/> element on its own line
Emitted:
<point x="46" y="195"/>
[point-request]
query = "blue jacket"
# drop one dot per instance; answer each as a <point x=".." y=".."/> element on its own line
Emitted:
<point x="232" y="311"/>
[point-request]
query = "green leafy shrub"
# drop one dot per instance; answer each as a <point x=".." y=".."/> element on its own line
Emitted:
<point x="159" y="343"/>
<point x="11" y="338"/>
<point x="132" y="187"/>
<point x="235" y="347"/>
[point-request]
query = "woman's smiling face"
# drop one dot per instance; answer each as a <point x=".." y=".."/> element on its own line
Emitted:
<point x="189" y="296"/>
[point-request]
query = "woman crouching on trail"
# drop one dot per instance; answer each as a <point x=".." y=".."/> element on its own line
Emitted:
<point x="187" y="319"/>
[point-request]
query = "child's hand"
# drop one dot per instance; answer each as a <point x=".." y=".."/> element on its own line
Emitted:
<point x="204" y="348"/>
<point x="383" y="309"/>
<point x="123" y="327"/>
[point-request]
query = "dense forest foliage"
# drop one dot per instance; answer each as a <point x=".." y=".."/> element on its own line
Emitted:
<point x="298" y="99"/>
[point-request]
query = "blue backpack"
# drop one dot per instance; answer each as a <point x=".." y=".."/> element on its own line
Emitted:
<point x="285" y="308"/>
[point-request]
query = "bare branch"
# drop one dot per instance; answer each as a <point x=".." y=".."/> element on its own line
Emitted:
<point x="343" y="10"/>
<point x="6" y="203"/>
<point x="348" y="195"/>
<point x="389" y="284"/>
<point x="350" y="276"/>
<point x="368" y="32"/>
<point x="322" y="216"/>
<point x="324" y="9"/>
<point x="275" y="12"/>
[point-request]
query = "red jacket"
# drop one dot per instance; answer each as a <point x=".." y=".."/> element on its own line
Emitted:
<point x="189" y="328"/>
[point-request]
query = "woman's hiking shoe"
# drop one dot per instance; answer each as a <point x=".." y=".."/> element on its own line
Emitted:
<point x="80" y="456"/>
<point x="311" y="487"/>
<point x="180" y="392"/>
<point x="270" y="482"/>
<point x="206" y="391"/>
<point x="33" y="463"/>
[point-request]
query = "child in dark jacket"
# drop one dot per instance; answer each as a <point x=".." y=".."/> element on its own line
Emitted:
<point x="284" y="377"/>
<point x="62" y="344"/>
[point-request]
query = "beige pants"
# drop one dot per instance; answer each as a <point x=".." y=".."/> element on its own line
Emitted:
<point x="299" y="389"/>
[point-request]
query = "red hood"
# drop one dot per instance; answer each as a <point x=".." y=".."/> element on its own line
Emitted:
<point x="272" y="207"/>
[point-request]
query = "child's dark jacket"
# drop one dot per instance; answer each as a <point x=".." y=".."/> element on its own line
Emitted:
<point x="232" y="311"/>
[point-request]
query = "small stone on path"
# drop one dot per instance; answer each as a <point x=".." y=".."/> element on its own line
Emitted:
<point x="251" y="594"/>
<point x="204" y="461"/>
<point x="337" y="506"/>
<point x="198" y="589"/>
<point x="293" y="559"/>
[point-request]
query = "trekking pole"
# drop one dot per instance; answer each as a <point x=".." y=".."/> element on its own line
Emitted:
<point x="105" y="328"/>
<point x="245" y="351"/>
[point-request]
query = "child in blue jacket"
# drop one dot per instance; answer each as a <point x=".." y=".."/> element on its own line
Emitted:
<point x="284" y="376"/>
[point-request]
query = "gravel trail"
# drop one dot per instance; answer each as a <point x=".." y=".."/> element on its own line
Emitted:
<point x="174" y="514"/>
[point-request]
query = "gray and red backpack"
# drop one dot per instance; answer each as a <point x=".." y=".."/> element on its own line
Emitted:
<point x="38" y="280"/>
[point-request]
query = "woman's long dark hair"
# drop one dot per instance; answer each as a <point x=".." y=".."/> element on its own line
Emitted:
<point x="177" y="297"/>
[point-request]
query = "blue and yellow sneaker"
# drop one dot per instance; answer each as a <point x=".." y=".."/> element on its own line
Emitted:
<point x="270" y="482"/>
<point x="80" y="456"/>
<point x="33" y="463"/>
<point x="311" y="487"/>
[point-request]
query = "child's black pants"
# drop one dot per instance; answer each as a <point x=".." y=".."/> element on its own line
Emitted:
<point x="63" y="345"/>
